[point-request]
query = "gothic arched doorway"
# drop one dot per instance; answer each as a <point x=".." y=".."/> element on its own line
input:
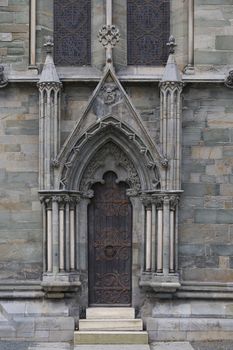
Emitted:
<point x="110" y="243"/>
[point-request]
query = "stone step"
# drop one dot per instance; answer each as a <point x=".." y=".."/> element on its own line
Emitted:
<point x="110" y="312"/>
<point x="171" y="346"/>
<point x="111" y="325"/>
<point x="112" y="347"/>
<point x="110" y="337"/>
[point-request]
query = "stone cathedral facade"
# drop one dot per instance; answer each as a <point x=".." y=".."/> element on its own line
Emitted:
<point x="116" y="182"/>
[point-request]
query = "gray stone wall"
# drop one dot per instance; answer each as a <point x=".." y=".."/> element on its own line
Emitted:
<point x="20" y="210"/>
<point x="14" y="33"/>
<point x="213" y="32"/>
<point x="206" y="213"/>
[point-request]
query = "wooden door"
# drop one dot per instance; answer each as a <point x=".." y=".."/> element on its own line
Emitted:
<point x="110" y="243"/>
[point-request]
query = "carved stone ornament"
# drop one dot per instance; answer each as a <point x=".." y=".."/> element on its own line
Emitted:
<point x="3" y="79"/>
<point x="229" y="79"/>
<point x="110" y="93"/>
<point x="111" y="122"/>
<point x="120" y="160"/>
<point x="109" y="35"/>
<point x="172" y="44"/>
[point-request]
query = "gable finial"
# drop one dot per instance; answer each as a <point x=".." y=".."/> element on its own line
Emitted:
<point x="48" y="44"/>
<point x="172" y="44"/>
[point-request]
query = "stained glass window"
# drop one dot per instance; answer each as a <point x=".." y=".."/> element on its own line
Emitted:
<point x="72" y="32"/>
<point x="148" y="31"/>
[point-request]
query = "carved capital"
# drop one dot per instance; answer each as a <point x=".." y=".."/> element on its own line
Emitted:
<point x="158" y="201"/>
<point x="174" y="200"/>
<point x="109" y="35"/>
<point x="147" y="201"/>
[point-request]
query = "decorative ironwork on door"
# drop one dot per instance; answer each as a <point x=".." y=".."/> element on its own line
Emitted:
<point x="110" y="243"/>
<point x="148" y="24"/>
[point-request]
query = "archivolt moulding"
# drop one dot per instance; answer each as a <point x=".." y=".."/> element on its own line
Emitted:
<point x="105" y="127"/>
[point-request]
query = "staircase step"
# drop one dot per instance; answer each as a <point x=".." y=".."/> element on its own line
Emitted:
<point x="111" y="325"/>
<point x="112" y="347"/>
<point x="110" y="312"/>
<point x="110" y="337"/>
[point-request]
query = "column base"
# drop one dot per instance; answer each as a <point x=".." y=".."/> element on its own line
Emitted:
<point x="61" y="282"/>
<point x="160" y="282"/>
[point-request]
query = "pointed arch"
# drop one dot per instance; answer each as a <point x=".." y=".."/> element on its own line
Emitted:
<point x="109" y="130"/>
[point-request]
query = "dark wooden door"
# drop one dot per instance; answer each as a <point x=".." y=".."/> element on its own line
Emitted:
<point x="110" y="243"/>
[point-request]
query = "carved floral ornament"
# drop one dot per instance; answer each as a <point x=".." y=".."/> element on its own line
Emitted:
<point x="120" y="160"/>
<point x="109" y="35"/>
<point x="60" y="198"/>
<point x="159" y="199"/>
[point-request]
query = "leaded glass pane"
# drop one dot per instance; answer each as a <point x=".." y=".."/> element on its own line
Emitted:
<point x="72" y="32"/>
<point x="148" y="31"/>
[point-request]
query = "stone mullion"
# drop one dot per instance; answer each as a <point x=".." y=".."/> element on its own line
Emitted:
<point x="32" y="58"/>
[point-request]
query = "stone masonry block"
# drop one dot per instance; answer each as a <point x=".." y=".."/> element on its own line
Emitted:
<point x="5" y="36"/>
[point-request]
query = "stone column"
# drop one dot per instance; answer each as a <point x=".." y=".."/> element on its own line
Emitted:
<point x="170" y="121"/>
<point x="189" y="69"/>
<point x="59" y="239"/>
<point x="159" y="207"/>
<point x="49" y="119"/>
<point x="62" y="236"/>
<point x="32" y="58"/>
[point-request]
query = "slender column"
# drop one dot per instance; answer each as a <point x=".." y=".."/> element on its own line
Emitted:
<point x="109" y="23"/>
<point x="67" y="235"/>
<point x="172" y="241"/>
<point x="62" y="237"/>
<point x="47" y="141"/>
<point x="148" y="238"/>
<point x="176" y="240"/>
<point x="49" y="239"/>
<point x="109" y="12"/>
<point x="55" y="227"/>
<point x="160" y="239"/>
<point x="44" y="218"/>
<point x="32" y="59"/>
<point x="72" y="237"/>
<point x="77" y="258"/>
<point x="153" y="240"/>
<point x="166" y="234"/>
<point x="191" y="33"/>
